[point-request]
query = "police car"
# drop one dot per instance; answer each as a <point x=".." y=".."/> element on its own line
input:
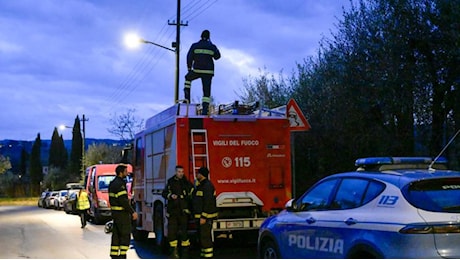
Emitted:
<point x="390" y="207"/>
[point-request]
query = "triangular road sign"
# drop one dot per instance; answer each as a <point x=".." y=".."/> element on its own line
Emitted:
<point x="297" y="121"/>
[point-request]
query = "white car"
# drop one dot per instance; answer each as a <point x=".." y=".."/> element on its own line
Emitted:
<point x="49" y="201"/>
<point x="41" y="200"/>
<point x="390" y="207"/>
<point x="59" y="199"/>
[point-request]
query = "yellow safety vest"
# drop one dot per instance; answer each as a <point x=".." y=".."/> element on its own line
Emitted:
<point x="83" y="202"/>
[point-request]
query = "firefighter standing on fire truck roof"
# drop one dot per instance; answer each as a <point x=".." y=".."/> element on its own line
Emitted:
<point x="122" y="214"/>
<point x="200" y="64"/>
<point x="205" y="211"/>
<point x="177" y="192"/>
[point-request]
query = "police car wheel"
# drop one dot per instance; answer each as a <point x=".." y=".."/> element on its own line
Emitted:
<point x="269" y="251"/>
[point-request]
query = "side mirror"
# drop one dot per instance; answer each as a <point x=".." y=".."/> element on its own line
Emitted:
<point x="289" y="205"/>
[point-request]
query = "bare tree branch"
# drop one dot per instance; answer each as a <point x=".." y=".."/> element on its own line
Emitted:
<point x="126" y="125"/>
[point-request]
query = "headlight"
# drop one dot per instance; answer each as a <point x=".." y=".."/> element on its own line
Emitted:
<point x="102" y="203"/>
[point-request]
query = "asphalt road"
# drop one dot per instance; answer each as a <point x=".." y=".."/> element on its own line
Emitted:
<point x="33" y="232"/>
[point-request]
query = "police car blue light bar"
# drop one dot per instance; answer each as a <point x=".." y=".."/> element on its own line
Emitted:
<point x="397" y="160"/>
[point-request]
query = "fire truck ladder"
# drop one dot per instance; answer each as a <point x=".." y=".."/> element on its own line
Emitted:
<point x="200" y="157"/>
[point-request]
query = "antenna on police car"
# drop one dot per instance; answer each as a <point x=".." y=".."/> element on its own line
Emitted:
<point x="442" y="151"/>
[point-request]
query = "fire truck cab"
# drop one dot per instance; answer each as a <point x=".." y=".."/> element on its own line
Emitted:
<point x="246" y="149"/>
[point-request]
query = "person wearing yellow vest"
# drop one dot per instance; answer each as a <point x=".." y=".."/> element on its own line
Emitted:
<point x="83" y="206"/>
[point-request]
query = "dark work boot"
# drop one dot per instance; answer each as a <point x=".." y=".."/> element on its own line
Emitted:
<point x="185" y="253"/>
<point x="187" y="94"/>
<point x="205" y="108"/>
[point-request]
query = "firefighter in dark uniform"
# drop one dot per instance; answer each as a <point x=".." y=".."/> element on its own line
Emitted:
<point x="200" y="64"/>
<point x="122" y="214"/>
<point x="177" y="191"/>
<point x="204" y="211"/>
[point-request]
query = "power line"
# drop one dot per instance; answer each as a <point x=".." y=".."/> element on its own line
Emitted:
<point x="197" y="11"/>
<point x="141" y="67"/>
<point x="149" y="61"/>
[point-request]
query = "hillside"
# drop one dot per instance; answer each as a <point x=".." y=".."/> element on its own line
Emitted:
<point x="13" y="148"/>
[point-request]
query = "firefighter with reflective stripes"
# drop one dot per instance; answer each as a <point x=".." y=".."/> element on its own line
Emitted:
<point x="122" y="214"/>
<point x="200" y="64"/>
<point x="204" y="211"/>
<point x="177" y="192"/>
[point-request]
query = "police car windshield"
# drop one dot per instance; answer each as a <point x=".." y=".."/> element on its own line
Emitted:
<point x="438" y="195"/>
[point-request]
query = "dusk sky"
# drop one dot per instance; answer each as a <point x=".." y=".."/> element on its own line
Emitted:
<point x="60" y="59"/>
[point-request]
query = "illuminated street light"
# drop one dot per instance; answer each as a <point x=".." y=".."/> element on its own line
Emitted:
<point x="83" y="120"/>
<point x="133" y="41"/>
<point x="63" y="127"/>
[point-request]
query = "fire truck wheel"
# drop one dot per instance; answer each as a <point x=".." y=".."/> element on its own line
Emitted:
<point x="158" y="223"/>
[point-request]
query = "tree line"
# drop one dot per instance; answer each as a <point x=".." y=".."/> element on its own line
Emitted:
<point x="386" y="83"/>
<point x="62" y="167"/>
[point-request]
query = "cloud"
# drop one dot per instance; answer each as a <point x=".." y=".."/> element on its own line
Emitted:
<point x="61" y="59"/>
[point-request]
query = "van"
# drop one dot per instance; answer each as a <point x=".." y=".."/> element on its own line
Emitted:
<point x="97" y="179"/>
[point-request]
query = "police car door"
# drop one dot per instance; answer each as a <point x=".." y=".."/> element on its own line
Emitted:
<point x="306" y="232"/>
<point x="327" y="223"/>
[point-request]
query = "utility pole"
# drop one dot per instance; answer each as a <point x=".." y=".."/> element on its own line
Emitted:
<point x="178" y="23"/>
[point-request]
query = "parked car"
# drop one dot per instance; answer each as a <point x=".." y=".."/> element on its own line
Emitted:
<point x="41" y="200"/>
<point x="59" y="200"/>
<point x="390" y="207"/>
<point x="70" y="204"/>
<point x="49" y="201"/>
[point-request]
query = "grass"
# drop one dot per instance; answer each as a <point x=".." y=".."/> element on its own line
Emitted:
<point x="25" y="201"/>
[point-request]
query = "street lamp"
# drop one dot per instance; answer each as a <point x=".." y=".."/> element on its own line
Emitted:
<point x="133" y="41"/>
<point x="63" y="127"/>
<point x="83" y="120"/>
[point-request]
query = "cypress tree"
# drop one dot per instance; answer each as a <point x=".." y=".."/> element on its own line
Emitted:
<point x="58" y="153"/>
<point x="53" y="159"/>
<point x="36" y="171"/>
<point x="63" y="156"/>
<point x="75" y="163"/>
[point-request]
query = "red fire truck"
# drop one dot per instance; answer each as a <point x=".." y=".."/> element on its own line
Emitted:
<point x="247" y="150"/>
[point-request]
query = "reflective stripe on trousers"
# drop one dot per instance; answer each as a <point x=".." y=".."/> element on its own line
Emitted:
<point x="121" y="234"/>
<point x="207" y="252"/>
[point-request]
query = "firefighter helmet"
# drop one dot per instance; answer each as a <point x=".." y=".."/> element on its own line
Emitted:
<point x="108" y="227"/>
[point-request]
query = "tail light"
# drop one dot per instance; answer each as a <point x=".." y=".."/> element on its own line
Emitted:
<point x="431" y="229"/>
